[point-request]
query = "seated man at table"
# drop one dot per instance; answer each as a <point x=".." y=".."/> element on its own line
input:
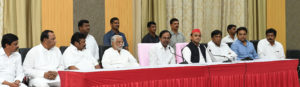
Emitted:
<point x="269" y="48"/>
<point x="242" y="47"/>
<point x="194" y="52"/>
<point x="162" y="53"/>
<point x="43" y="61"/>
<point x="77" y="57"/>
<point x="116" y="56"/>
<point x="220" y="52"/>
<point x="11" y="71"/>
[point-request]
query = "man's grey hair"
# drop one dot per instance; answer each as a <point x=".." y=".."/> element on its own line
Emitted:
<point x="113" y="38"/>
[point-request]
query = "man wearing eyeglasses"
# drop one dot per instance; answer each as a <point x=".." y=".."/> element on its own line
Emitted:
<point x="162" y="53"/>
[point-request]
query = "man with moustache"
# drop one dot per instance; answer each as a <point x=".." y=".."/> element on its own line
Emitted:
<point x="231" y="29"/>
<point x="242" y="47"/>
<point x="192" y="52"/>
<point x="11" y="71"/>
<point x="269" y="48"/>
<point x="76" y="57"/>
<point x="162" y="53"/>
<point x="116" y="56"/>
<point x="114" y="23"/>
<point x="220" y="52"/>
<point x="43" y="61"/>
<point x="177" y="37"/>
<point x="91" y="43"/>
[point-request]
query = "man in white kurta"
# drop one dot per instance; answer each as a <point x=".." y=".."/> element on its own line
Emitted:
<point x="43" y="61"/>
<point x="11" y="71"/>
<point x="162" y="53"/>
<point x="116" y="56"/>
<point x="40" y="60"/>
<point x="228" y="39"/>
<point x="76" y="57"/>
<point x="10" y="68"/>
<point x="83" y="60"/>
<point x="220" y="52"/>
<point x="91" y="43"/>
<point x="269" y="48"/>
<point x="92" y="46"/>
<point x="192" y="53"/>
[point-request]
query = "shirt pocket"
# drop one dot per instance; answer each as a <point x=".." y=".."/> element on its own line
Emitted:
<point x="3" y="65"/>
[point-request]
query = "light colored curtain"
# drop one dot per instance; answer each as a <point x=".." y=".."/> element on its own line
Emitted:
<point x="256" y="23"/>
<point x="23" y="18"/>
<point x="206" y="15"/>
<point x="153" y="10"/>
<point x="1" y="17"/>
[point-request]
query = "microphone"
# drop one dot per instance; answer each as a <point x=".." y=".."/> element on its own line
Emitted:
<point x="184" y="61"/>
<point x="212" y="56"/>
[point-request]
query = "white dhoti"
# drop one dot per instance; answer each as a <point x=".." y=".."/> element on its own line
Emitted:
<point x="21" y="85"/>
<point x="42" y="82"/>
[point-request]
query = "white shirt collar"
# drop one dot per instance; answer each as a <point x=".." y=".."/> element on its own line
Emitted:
<point x="44" y="49"/>
<point x="162" y="47"/>
<point x="2" y="52"/>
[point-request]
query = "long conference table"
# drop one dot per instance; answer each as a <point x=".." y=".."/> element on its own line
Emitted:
<point x="275" y="73"/>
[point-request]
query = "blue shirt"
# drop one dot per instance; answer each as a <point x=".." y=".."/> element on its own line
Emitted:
<point x="244" y="51"/>
<point x="108" y="35"/>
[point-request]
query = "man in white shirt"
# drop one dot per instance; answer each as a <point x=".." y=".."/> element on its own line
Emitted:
<point x="11" y="71"/>
<point x="76" y="57"/>
<point x="43" y="61"/>
<point x="220" y="52"/>
<point x="231" y="29"/>
<point x="194" y="52"/>
<point x="91" y="43"/>
<point x="269" y="48"/>
<point x="116" y="56"/>
<point x="162" y="53"/>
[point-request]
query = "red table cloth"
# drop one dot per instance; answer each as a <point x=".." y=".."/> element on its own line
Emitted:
<point x="257" y="74"/>
<point x="272" y="74"/>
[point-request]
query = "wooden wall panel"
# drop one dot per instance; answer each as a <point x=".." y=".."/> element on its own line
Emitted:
<point x="276" y="18"/>
<point x="57" y="15"/>
<point x="123" y="9"/>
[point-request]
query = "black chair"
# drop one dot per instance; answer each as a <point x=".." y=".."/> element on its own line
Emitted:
<point x="23" y="52"/>
<point x="101" y="52"/>
<point x="62" y="49"/>
<point x="255" y="43"/>
<point x="229" y="44"/>
<point x="205" y="44"/>
<point x="294" y="54"/>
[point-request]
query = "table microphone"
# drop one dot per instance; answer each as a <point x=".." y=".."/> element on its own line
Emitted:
<point x="184" y="61"/>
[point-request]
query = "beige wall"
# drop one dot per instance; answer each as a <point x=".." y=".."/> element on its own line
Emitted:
<point x="94" y="11"/>
<point x="292" y="24"/>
